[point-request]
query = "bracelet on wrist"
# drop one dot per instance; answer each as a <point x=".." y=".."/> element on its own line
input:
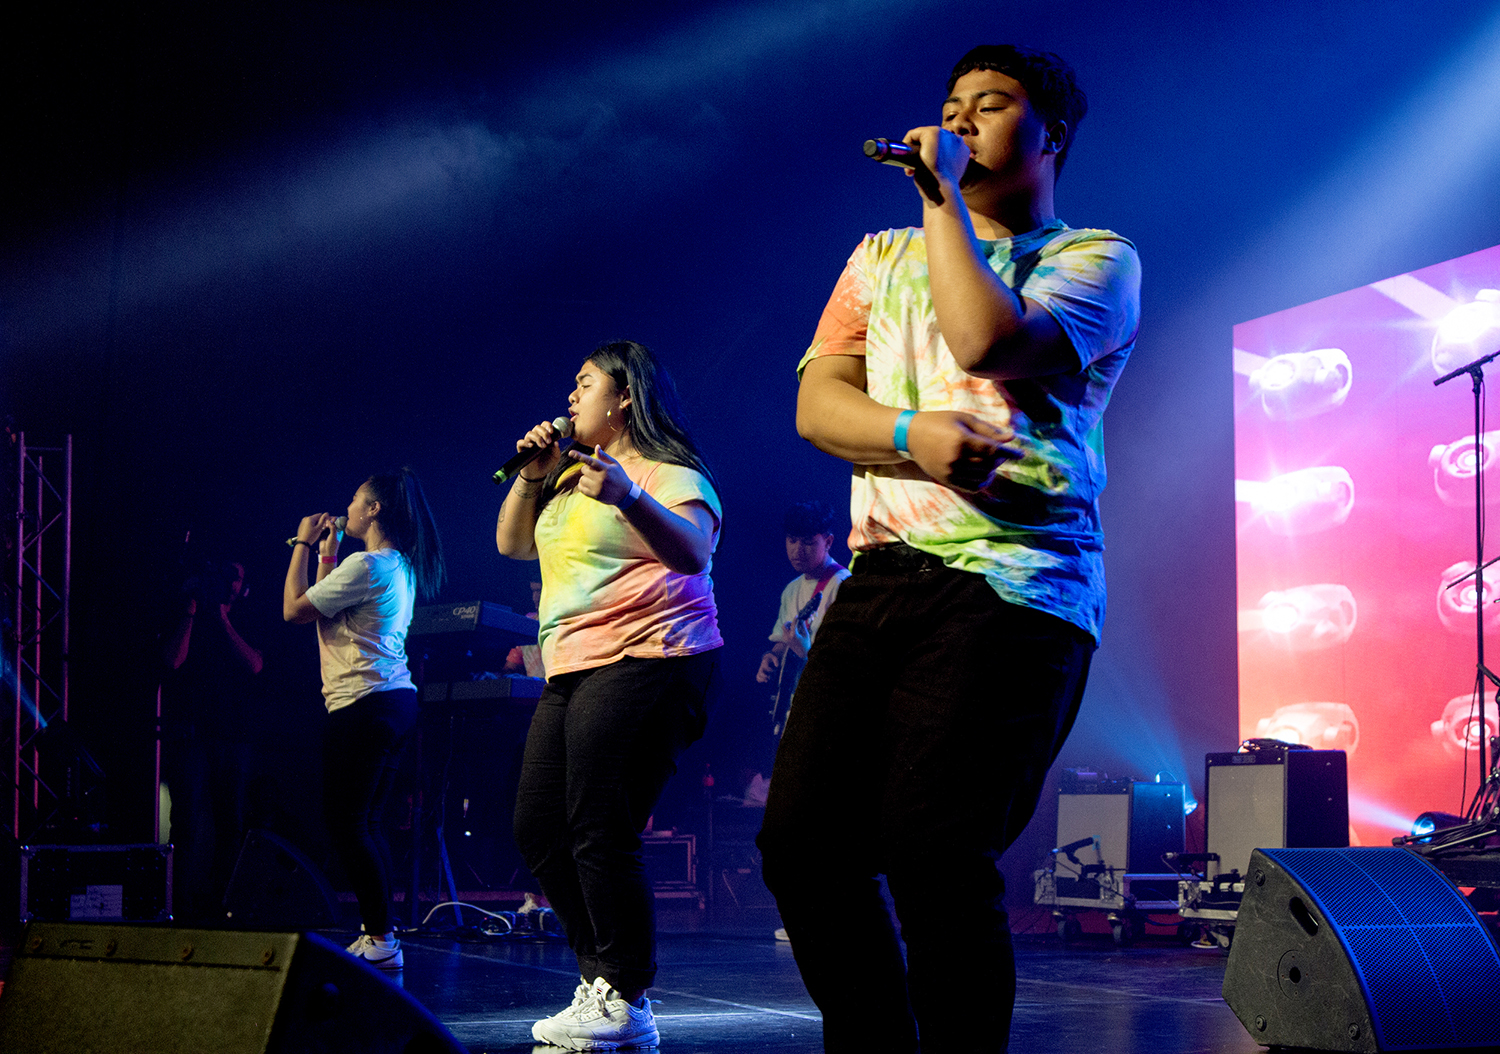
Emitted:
<point x="328" y="560"/>
<point x="898" y="437"/>
<point x="528" y="479"/>
<point x="632" y="497"/>
<point x="298" y="541"/>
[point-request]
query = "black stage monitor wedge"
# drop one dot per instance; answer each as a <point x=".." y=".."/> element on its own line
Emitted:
<point x="1363" y="949"/>
<point x="167" y="990"/>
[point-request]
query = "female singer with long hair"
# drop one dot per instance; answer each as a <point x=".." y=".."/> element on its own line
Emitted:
<point x="363" y="607"/>
<point x="624" y="524"/>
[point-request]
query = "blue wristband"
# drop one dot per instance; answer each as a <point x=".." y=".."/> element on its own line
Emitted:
<point x="903" y="422"/>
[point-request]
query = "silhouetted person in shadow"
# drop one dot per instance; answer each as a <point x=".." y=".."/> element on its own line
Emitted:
<point x="208" y="722"/>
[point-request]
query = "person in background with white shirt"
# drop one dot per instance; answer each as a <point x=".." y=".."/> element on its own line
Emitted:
<point x="363" y="608"/>
<point x="809" y="549"/>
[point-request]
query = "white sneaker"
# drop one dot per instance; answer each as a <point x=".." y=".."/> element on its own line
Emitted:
<point x="580" y="996"/>
<point x="602" y="1021"/>
<point x="383" y="955"/>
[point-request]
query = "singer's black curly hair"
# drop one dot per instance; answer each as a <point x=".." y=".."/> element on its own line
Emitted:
<point x="658" y="426"/>
<point x="1050" y="85"/>
<point x="406" y="521"/>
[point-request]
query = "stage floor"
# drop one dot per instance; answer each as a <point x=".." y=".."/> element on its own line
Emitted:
<point x="728" y="986"/>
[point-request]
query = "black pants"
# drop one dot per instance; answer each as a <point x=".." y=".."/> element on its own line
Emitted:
<point x="923" y="728"/>
<point x="602" y="745"/>
<point x="361" y="751"/>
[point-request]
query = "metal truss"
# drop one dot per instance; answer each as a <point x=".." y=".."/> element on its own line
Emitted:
<point x="34" y="663"/>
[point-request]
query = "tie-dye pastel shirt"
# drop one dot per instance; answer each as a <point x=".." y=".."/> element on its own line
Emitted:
<point x="605" y="595"/>
<point x="1034" y="533"/>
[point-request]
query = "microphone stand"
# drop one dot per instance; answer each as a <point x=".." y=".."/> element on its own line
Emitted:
<point x="1475" y="370"/>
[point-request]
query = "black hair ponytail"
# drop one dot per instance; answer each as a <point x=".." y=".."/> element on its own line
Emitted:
<point x="407" y="523"/>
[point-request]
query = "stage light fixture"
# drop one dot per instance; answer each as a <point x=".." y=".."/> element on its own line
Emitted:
<point x="1425" y="825"/>
<point x="1458" y="730"/>
<point x="1468" y="332"/>
<point x="1302" y="502"/>
<point x="1454" y="466"/>
<point x="1459" y="595"/>
<point x="1303" y="383"/>
<point x="1310" y="617"/>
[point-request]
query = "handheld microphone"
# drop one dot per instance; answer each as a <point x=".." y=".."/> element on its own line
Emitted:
<point x="524" y="457"/>
<point x="889" y="153"/>
<point x="339" y="523"/>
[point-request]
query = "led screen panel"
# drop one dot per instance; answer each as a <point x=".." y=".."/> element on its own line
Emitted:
<point x="1355" y="496"/>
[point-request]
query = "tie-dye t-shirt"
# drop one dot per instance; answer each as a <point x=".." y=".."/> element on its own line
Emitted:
<point x="1034" y="533"/>
<point x="605" y="595"/>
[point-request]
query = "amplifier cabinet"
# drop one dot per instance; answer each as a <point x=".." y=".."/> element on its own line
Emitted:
<point x="671" y="860"/>
<point x="1135" y="823"/>
<point x="1295" y="799"/>
<point x="96" y="883"/>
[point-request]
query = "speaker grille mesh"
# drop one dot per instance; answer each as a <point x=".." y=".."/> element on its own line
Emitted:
<point x="1392" y="909"/>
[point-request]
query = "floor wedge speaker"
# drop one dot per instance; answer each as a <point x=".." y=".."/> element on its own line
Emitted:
<point x="173" y="990"/>
<point x="1364" y="949"/>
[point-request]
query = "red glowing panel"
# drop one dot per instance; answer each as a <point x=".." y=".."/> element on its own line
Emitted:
<point x="1354" y="485"/>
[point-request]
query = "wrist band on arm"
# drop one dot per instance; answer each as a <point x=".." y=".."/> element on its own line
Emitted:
<point x="327" y="560"/>
<point x="298" y="541"/>
<point x="898" y="437"/>
<point x="631" y="498"/>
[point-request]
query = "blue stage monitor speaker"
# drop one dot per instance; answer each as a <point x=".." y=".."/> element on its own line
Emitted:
<point x="1360" y="950"/>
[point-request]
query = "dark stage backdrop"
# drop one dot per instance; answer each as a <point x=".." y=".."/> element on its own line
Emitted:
<point x="254" y="251"/>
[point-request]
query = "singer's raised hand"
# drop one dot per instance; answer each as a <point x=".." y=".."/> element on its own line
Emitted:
<point x="328" y="547"/>
<point x="545" y="437"/>
<point x="313" y="526"/>
<point x="515" y="527"/>
<point x="945" y="158"/>
<point x="295" y="607"/>
<point x="603" y="478"/>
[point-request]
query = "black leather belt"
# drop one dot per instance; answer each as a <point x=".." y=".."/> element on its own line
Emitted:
<point x="898" y="559"/>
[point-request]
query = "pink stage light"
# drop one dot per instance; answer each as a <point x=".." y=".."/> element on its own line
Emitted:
<point x="1302" y="502"/>
<point x="1302" y="384"/>
<point x="1458" y="729"/>
<point x="1468" y="332"/>
<point x="1308" y="618"/>
<point x="1459" y="596"/>
<point x="1455" y="464"/>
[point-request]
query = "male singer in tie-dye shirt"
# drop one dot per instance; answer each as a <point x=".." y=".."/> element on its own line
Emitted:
<point x="962" y="368"/>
